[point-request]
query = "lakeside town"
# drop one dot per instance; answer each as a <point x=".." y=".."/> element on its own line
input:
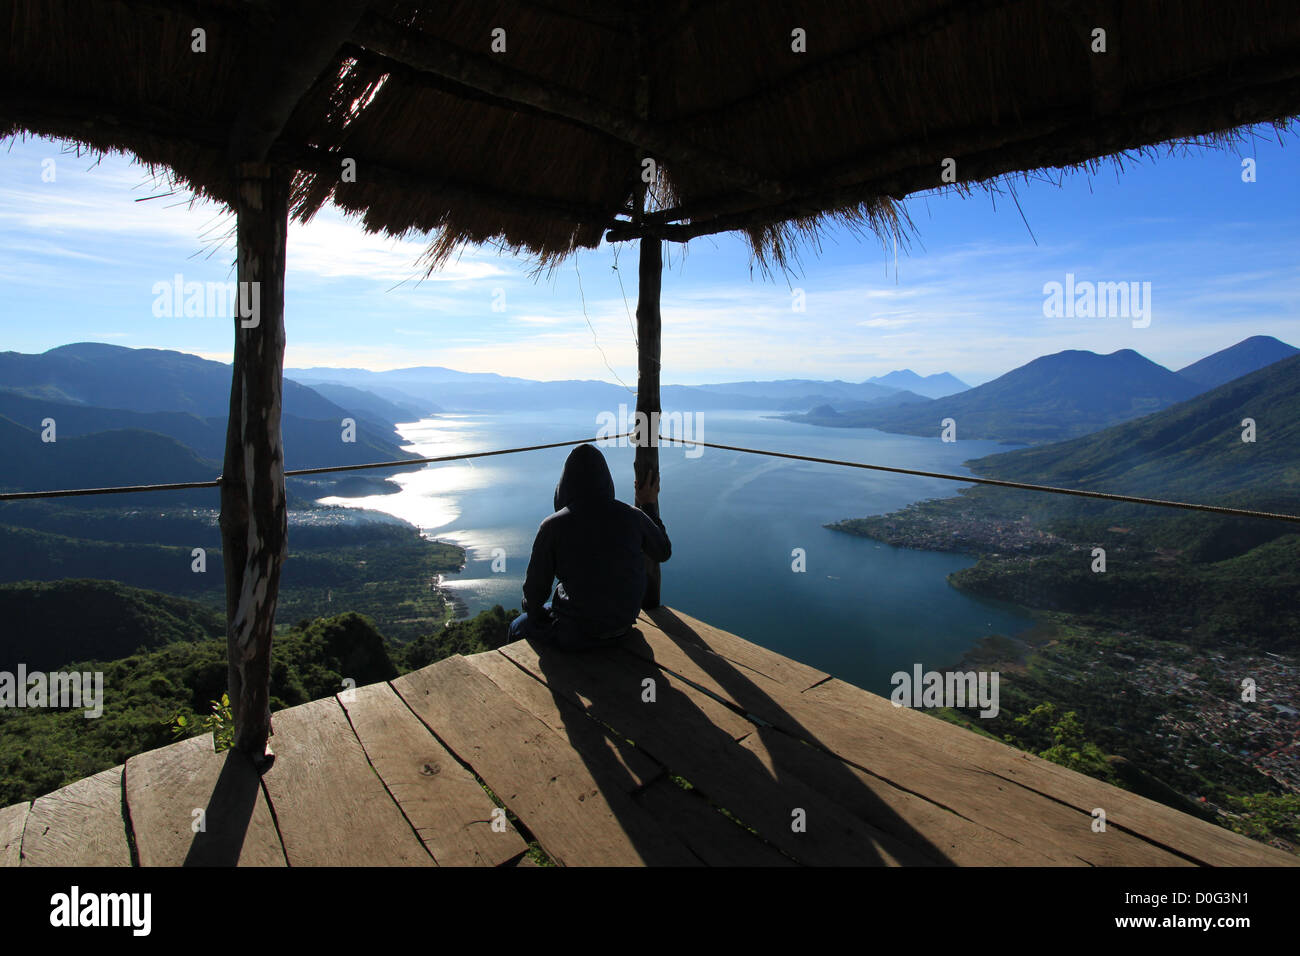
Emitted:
<point x="925" y="528"/>
<point x="1263" y="732"/>
<point x="1203" y="718"/>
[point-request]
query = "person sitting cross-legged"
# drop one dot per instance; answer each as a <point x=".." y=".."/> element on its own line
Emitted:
<point x="595" y="546"/>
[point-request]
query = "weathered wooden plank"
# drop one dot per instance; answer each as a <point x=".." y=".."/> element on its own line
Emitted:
<point x="715" y="839"/>
<point x="12" y="820"/>
<point x="1199" y="839"/>
<point x="701" y="666"/>
<point x="905" y="816"/>
<point x="682" y="627"/>
<point x="994" y="803"/>
<point x="909" y="761"/>
<point x="687" y="731"/>
<point x="164" y="789"/>
<point x="583" y="734"/>
<point x="711" y="836"/>
<point x="579" y="816"/>
<point x="449" y="810"/>
<point x="79" y="825"/>
<point x="601" y="675"/>
<point x="331" y="807"/>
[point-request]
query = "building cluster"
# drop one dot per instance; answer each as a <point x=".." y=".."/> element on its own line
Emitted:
<point x="1264" y="733"/>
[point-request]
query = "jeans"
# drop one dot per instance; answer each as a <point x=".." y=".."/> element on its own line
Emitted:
<point x="562" y="632"/>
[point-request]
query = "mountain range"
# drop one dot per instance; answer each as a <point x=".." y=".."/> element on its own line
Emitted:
<point x="128" y="416"/>
<point x="1061" y="396"/>
<point x="434" y="387"/>
<point x="1245" y="357"/>
<point x="930" y="386"/>
<point x="1194" y="449"/>
<point x="136" y="416"/>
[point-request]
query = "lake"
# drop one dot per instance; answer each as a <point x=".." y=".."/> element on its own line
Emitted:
<point x="861" y="611"/>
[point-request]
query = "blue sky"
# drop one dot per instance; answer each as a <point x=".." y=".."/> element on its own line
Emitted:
<point x="80" y="258"/>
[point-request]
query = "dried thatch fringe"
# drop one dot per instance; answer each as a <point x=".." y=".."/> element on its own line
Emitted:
<point x="883" y="92"/>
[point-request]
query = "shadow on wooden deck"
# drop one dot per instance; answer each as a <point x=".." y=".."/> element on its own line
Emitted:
<point x="773" y="787"/>
<point x="682" y="745"/>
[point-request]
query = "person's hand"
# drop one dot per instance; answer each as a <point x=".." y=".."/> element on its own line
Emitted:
<point x="648" y="493"/>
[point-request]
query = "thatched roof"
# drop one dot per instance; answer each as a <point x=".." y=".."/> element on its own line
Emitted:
<point x="539" y="147"/>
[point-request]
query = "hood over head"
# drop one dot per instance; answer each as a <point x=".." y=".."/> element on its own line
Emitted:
<point x="585" y="478"/>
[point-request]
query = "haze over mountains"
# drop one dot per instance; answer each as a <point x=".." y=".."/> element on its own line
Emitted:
<point x="1194" y="449"/>
<point x="446" y="389"/>
<point x="1061" y="396"/>
<point x="144" y="415"/>
<point x="128" y="416"/>
<point x="930" y="386"/>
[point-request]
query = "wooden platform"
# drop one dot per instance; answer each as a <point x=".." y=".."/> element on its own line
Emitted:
<point x="684" y="746"/>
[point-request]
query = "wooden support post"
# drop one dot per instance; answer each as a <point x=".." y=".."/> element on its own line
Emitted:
<point x="254" y="517"/>
<point x="646" y="465"/>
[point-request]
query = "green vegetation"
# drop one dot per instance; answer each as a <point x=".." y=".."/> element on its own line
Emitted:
<point x="1248" y="601"/>
<point x="1204" y="578"/>
<point x="220" y="723"/>
<point x="1060" y="739"/>
<point x="152" y="691"/>
<point x="50" y="623"/>
<point x="1105" y="703"/>
<point x="382" y="569"/>
<point x="106" y="400"/>
<point x="538" y="855"/>
<point x="1193" y="448"/>
<point x="1267" y="816"/>
<point x="1131" y="675"/>
<point x="490" y="629"/>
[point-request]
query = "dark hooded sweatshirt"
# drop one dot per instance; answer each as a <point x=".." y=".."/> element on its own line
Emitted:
<point x="594" y="544"/>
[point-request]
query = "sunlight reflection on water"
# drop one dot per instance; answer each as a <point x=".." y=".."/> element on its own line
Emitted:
<point x="861" y="612"/>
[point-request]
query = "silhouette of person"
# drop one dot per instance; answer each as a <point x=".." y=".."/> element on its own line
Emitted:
<point x="595" y="546"/>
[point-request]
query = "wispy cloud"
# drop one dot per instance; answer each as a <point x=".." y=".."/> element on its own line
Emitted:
<point x="82" y="255"/>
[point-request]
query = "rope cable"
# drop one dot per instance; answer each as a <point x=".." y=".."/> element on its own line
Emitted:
<point x="967" y="479"/>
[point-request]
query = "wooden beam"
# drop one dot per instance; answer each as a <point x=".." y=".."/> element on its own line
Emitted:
<point x="254" y="516"/>
<point x="431" y="54"/>
<point x="648" y="328"/>
<point x="286" y="70"/>
<point x="254" y="513"/>
<point x="443" y="84"/>
<point x="645" y="466"/>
